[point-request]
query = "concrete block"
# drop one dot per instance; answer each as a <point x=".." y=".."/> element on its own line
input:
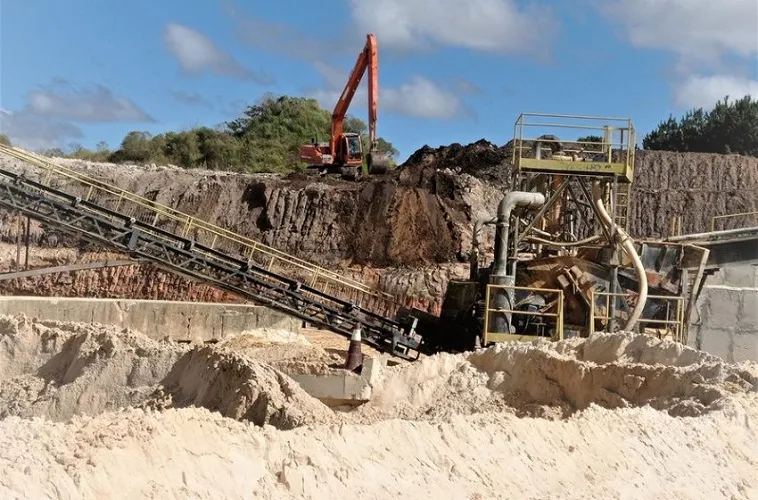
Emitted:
<point x="718" y="342"/>
<point x="737" y="276"/>
<point x="747" y="320"/>
<point x="720" y="306"/>
<point x="745" y="346"/>
<point x="188" y="321"/>
<point x="342" y="388"/>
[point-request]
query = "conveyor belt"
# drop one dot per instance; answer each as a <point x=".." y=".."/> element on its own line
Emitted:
<point x="182" y="255"/>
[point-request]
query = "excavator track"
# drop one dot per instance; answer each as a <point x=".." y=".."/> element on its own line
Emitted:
<point x="297" y="294"/>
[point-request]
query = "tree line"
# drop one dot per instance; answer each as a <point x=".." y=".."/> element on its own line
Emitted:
<point x="267" y="135"/>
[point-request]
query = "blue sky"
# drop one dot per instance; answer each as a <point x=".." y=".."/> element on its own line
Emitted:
<point x="86" y="71"/>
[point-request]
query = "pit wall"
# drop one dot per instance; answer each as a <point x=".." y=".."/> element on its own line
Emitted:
<point x="180" y="321"/>
<point x="725" y="322"/>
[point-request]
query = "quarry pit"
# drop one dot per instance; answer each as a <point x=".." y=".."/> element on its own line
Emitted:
<point x="130" y="382"/>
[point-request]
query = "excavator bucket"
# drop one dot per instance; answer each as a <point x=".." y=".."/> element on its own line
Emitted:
<point x="378" y="163"/>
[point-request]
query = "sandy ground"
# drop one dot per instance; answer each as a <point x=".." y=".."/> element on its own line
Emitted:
<point x="88" y="411"/>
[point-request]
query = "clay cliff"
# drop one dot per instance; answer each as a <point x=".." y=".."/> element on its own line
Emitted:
<point x="407" y="232"/>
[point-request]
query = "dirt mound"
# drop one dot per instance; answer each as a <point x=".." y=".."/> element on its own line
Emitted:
<point x="191" y="453"/>
<point x="481" y="159"/>
<point x="57" y="370"/>
<point x="240" y="388"/>
<point x="558" y="379"/>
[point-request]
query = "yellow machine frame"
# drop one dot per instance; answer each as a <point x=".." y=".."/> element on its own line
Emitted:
<point x="586" y="162"/>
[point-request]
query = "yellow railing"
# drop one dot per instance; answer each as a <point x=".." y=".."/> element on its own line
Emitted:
<point x="556" y="305"/>
<point x="674" y="326"/>
<point x="613" y="156"/>
<point x="205" y="233"/>
<point x="730" y="216"/>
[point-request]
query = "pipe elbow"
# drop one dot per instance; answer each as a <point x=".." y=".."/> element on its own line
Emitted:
<point x="519" y="199"/>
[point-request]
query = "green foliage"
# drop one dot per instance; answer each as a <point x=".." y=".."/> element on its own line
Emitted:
<point x="728" y="128"/>
<point x="590" y="138"/>
<point x="266" y="137"/>
<point x="4" y="140"/>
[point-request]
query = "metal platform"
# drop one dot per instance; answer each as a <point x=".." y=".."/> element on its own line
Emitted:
<point x="202" y="251"/>
<point x="547" y="153"/>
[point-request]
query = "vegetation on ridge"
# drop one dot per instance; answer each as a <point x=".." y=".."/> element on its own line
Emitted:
<point x="266" y="137"/>
<point x="730" y="127"/>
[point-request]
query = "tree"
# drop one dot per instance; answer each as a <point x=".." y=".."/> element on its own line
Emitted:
<point x="4" y="140"/>
<point x="590" y="138"/>
<point x="727" y="128"/>
<point x="266" y="137"/>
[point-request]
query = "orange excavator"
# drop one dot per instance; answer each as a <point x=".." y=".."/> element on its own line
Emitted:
<point x="343" y="154"/>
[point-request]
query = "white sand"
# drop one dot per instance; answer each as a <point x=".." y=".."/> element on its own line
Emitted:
<point x="613" y="417"/>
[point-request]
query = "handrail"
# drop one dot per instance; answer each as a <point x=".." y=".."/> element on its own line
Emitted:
<point x="677" y="323"/>
<point x="728" y="216"/>
<point x="252" y="249"/>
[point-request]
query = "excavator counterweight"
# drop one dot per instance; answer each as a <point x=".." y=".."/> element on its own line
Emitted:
<point x="343" y="154"/>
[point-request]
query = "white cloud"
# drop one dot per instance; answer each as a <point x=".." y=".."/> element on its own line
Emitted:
<point x="30" y="131"/>
<point x="419" y="97"/>
<point x="49" y="117"/>
<point x="706" y="91"/>
<point x="196" y="53"/>
<point x="422" y="98"/>
<point x="191" y="98"/>
<point x="484" y="25"/>
<point x="694" y="29"/>
<point x="715" y="43"/>
<point x="89" y="105"/>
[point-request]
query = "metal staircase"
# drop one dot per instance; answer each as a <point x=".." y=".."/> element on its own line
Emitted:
<point x="179" y="243"/>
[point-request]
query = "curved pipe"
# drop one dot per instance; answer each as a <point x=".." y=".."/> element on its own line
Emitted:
<point x="565" y="244"/>
<point x="510" y="201"/>
<point x="627" y="244"/>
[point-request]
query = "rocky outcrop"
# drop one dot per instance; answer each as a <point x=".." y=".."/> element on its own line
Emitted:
<point x="407" y="232"/>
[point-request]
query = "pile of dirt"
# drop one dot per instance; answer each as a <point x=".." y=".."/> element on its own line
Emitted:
<point x="57" y="370"/>
<point x="127" y="416"/>
<point x="555" y="380"/>
<point x="481" y="159"/>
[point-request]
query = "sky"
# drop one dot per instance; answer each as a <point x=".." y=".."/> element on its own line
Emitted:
<point x="86" y="71"/>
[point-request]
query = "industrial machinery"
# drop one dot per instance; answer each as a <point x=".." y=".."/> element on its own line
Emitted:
<point x="564" y="264"/>
<point x="343" y="154"/>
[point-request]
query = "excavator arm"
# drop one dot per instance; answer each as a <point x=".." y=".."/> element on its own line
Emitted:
<point x="367" y="60"/>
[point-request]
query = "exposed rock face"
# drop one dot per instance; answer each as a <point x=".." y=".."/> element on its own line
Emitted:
<point x="408" y="232"/>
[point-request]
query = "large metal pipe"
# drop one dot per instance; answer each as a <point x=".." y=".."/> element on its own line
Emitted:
<point x="504" y="297"/>
<point x="510" y="201"/>
<point x="627" y="244"/>
<point x="714" y="235"/>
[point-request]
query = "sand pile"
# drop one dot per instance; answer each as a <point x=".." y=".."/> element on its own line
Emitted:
<point x="57" y="370"/>
<point x="191" y="453"/>
<point x="240" y="388"/>
<point x="627" y="416"/>
<point x="557" y="379"/>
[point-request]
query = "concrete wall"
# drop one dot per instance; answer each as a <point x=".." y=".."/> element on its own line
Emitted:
<point x="725" y="322"/>
<point x="196" y="321"/>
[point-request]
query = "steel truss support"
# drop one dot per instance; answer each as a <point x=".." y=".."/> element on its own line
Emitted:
<point x="185" y="257"/>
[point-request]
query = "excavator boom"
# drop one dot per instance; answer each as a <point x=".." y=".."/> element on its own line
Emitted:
<point x="344" y="150"/>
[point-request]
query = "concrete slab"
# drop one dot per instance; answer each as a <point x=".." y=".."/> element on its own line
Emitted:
<point x="158" y="319"/>
<point x="342" y="388"/>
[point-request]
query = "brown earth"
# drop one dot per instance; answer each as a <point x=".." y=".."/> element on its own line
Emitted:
<point x="407" y="233"/>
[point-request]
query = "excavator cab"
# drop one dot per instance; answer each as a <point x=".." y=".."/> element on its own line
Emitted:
<point x="353" y="148"/>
